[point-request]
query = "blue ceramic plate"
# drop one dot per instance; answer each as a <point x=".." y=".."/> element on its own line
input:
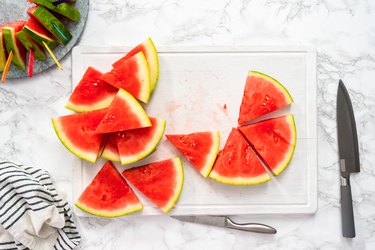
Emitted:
<point x="13" y="10"/>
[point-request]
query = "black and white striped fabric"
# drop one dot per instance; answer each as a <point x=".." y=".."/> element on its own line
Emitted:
<point x="32" y="215"/>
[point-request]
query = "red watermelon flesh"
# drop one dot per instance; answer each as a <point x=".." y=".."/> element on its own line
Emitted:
<point x="39" y="34"/>
<point x="110" y="151"/>
<point x="149" y="50"/>
<point x="136" y="144"/>
<point x="161" y="182"/>
<point x="12" y="43"/>
<point x="132" y="75"/>
<point x="124" y="113"/>
<point x="274" y="141"/>
<point x="199" y="148"/>
<point x="108" y="195"/>
<point x="77" y="133"/>
<point x="262" y="95"/>
<point x="237" y="163"/>
<point x="91" y="92"/>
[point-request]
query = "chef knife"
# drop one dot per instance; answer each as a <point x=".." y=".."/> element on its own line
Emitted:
<point x="223" y="221"/>
<point x="348" y="156"/>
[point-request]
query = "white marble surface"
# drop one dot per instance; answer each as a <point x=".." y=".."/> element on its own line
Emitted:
<point x="343" y="33"/>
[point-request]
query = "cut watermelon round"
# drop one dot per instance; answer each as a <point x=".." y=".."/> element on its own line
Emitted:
<point x="108" y="195"/>
<point x="12" y="43"/>
<point x="124" y="113"/>
<point x="262" y="95"/>
<point x="149" y="50"/>
<point x="39" y="34"/>
<point x="161" y="182"/>
<point x="274" y="141"/>
<point x="136" y="144"/>
<point x="237" y="164"/>
<point x="132" y="75"/>
<point x="110" y="151"/>
<point x="200" y="148"/>
<point x="77" y="133"/>
<point x="91" y="93"/>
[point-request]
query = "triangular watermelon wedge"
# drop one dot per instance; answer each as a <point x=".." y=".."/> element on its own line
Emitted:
<point x="134" y="145"/>
<point x="77" y="133"/>
<point x="12" y="43"/>
<point x="200" y="148"/>
<point x="149" y="50"/>
<point x="39" y="34"/>
<point x="274" y="141"/>
<point x="161" y="182"/>
<point x="262" y="95"/>
<point x="237" y="164"/>
<point x="108" y="195"/>
<point x="133" y="75"/>
<point x="91" y="92"/>
<point x="110" y="151"/>
<point x="124" y="113"/>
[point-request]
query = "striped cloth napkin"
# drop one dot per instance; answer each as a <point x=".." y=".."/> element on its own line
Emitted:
<point x="32" y="215"/>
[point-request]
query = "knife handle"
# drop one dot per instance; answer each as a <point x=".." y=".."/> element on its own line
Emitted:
<point x="251" y="227"/>
<point x="347" y="218"/>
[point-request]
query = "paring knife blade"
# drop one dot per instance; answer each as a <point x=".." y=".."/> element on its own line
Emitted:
<point x="348" y="156"/>
<point x="223" y="221"/>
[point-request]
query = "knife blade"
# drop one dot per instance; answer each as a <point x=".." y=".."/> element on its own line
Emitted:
<point x="348" y="156"/>
<point x="223" y="221"/>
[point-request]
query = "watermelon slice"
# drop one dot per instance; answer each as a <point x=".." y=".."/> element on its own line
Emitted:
<point x="274" y="141"/>
<point x="12" y="43"/>
<point x="200" y="148"/>
<point x="161" y="182"/>
<point x="77" y="133"/>
<point x="3" y="57"/>
<point x="39" y="34"/>
<point x="30" y="44"/>
<point x="91" y="93"/>
<point x="263" y="94"/>
<point x="132" y="75"/>
<point x="108" y="195"/>
<point x="51" y="23"/>
<point x="124" y="113"/>
<point x="237" y="164"/>
<point x="110" y="151"/>
<point x="136" y="144"/>
<point x="64" y="9"/>
<point x="149" y="50"/>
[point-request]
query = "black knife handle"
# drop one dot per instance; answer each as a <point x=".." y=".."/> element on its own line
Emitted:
<point x="347" y="218"/>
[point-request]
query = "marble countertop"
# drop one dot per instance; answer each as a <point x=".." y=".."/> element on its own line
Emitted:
<point x="343" y="34"/>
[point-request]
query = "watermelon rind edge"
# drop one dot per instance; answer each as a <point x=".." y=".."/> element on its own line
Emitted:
<point x="240" y="181"/>
<point x="275" y="82"/>
<point x="65" y="141"/>
<point x="180" y="171"/>
<point x="277" y="171"/>
<point x="205" y="171"/>
<point x="153" y="143"/>
<point x="154" y="75"/>
<point x="84" y="108"/>
<point x="110" y="214"/>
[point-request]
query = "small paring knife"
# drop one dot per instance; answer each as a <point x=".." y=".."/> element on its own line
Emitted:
<point x="348" y="157"/>
<point x="223" y="221"/>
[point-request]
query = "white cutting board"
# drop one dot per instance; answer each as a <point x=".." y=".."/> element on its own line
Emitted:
<point x="195" y="84"/>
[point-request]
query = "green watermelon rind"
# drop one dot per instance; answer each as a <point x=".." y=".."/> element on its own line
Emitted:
<point x="153" y="63"/>
<point x="279" y="86"/>
<point x="39" y="38"/>
<point x="177" y="192"/>
<point x="110" y="214"/>
<point x="211" y="156"/>
<point x="29" y="44"/>
<point x="2" y="52"/>
<point x="145" y="71"/>
<point x="240" y="181"/>
<point x="288" y="157"/>
<point x="153" y="143"/>
<point x="90" y="157"/>
<point x="10" y="44"/>
<point x="66" y="10"/>
<point x="79" y="108"/>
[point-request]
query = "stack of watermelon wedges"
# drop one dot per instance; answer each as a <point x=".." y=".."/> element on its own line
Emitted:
<point x="46" y="24"/>
<point x="110" y="122"/>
